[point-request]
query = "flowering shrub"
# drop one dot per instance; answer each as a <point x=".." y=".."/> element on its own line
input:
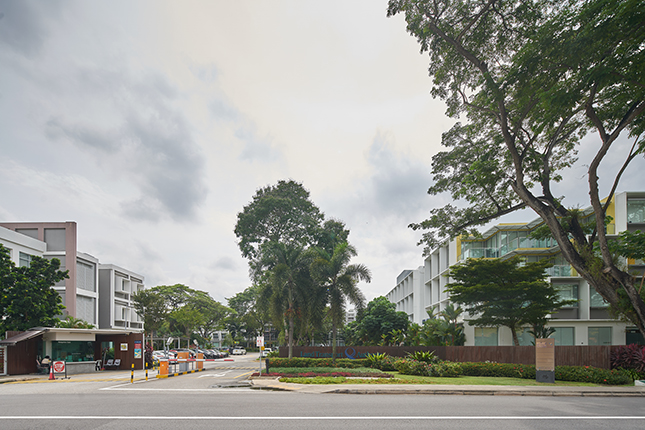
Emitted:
<point x="381" y="361"/>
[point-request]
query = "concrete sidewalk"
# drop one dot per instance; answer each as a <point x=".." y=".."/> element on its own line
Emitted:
<point x="270" y="383"/>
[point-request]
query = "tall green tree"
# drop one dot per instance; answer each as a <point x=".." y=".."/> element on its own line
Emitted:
<point x="27" y="298"/>
<point x="282" y="213"/>
<point x="152" y="307"/>
<point x="289" y="280"/>
<point x="248" y="313"/>
<point x="502" y="293"/>
<point x="339" y="279"/>
<point x="530" y="79"/>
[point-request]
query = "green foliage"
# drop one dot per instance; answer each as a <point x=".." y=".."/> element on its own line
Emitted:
<point x="281" y="214"/>
<point x="71" y="322"/>
<point x="378" y="319"/>
<point x="317" y="362"/>
<point x="180" y="311"/>
<point x="26" y="297"/>
<point x="562" y="373"/>
<point x="529" y="80"/>
<point x="502" y="293"/>
<point x="423" y="356"/>
<point x="444" y="369"/>
<point x="381" y="361"/>
<point x="339" y="279"/>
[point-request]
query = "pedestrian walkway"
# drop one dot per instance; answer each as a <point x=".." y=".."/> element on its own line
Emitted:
<point x="271" y="383"/>
<point x="103" y="376"/>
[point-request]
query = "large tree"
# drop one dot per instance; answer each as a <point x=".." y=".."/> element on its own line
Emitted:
<point x="289" y="284"/>
<point x="339" y="280"/>
<point x="27" y="298"/>
<point x="532" y="78"/>
<point x="502" y="293"/>
<point x="281" y="213"/>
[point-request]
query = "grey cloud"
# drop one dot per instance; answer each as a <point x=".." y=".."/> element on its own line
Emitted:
<point x="141" y="209"/>
<point x="223" y="111"/>
<point x="400" y="182"/>
<point x="256" y="148"/>
<point x="82" y="134"/>
<point x="224" y="263"/>
<point x="23" y="25"/>
<point x="169" y="164"/>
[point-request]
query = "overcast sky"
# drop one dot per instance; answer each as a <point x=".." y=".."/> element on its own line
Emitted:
<point x="151" y="124"/>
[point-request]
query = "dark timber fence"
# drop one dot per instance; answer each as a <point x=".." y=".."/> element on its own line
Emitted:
<point x="596" y="356"/>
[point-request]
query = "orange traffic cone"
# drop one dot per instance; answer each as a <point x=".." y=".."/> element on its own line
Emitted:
<point x="51" y="371"/>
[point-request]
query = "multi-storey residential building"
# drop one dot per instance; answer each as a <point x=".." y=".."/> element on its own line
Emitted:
<point x="81" y="292"/>
<point x="116" y="288"/>
<point x="585" y="323"/>
<point x="21" y="248"/>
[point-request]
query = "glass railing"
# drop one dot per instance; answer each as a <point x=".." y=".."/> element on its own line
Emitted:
<point x="560" y="270"/>
<point x="480" y="253"/>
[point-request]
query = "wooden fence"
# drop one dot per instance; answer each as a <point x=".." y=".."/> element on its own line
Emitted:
<point x="596" y="356"/>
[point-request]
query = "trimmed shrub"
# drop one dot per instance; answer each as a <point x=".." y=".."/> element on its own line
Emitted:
<point x="317" y="362"/>
<point x="381" y="361"/>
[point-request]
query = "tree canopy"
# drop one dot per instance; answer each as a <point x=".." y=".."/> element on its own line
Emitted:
<point x="377" y="320"/>
<point x="180" y="311"/>
<point x="27" y="298"/>
<point x="502" y="293"/>
<point x="532" y="78"/>
<point x="281" y="232"/>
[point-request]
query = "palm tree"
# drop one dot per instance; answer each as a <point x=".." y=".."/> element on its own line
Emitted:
<point x="289" y="279"/>
<point x="340" y="278"/>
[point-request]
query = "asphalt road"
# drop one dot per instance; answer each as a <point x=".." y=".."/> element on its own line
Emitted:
<point x="218" y="398"/>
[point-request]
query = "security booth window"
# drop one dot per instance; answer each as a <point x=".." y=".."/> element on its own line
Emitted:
<point x="72" y="351"/>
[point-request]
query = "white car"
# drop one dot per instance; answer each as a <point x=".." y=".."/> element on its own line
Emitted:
<point x="266" y="352"/>
<point x="239" y="351"/>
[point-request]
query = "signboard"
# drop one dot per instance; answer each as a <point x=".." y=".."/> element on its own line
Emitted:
<point x="545" y="360"/>
<point x="545" y="354"/>
<point x="58" y="366"/>
<point x="259" y="341"/>
<point x="137" y="349"/>
<point x="124" y="347"/>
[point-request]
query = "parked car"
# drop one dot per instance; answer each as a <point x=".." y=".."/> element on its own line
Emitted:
<point x="266" y="352"/>
<point x="238" y="350"/>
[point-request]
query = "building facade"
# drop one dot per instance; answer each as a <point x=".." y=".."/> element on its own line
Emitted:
<point x="116" y="289"/>
<point x="80" y="292"/>
<point x="587" y="322"/>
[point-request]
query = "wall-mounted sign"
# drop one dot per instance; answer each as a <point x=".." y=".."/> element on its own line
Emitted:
<point x="124" y="347"/>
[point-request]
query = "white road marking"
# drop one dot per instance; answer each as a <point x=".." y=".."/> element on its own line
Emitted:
<point x="309" y="418"/>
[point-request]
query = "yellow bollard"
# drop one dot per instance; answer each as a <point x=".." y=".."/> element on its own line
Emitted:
<point x="132" y="374"/>
<point x="146" y="371"/>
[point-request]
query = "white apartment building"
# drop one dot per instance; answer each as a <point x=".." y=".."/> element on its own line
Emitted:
<point x="587" y="322"/>
<point x="116" y="288"/>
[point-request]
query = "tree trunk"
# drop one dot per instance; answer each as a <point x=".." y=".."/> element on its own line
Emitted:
<point x="333" y="342"/>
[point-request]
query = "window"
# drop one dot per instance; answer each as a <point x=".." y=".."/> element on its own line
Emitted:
<point x="86" y="309"/>
<point x="568" y="292"/>
<point x="596" y="300"/>
<point x="85" y="276"/>
<point x="485" y="336"/>
<point x="24" y="260"/>
<point x="55" y="239"/>
<point x="599" y="335"/>
<point x="564" y="336"/>
<point x="636" y="211"/>
<point x="524" y="337"/>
